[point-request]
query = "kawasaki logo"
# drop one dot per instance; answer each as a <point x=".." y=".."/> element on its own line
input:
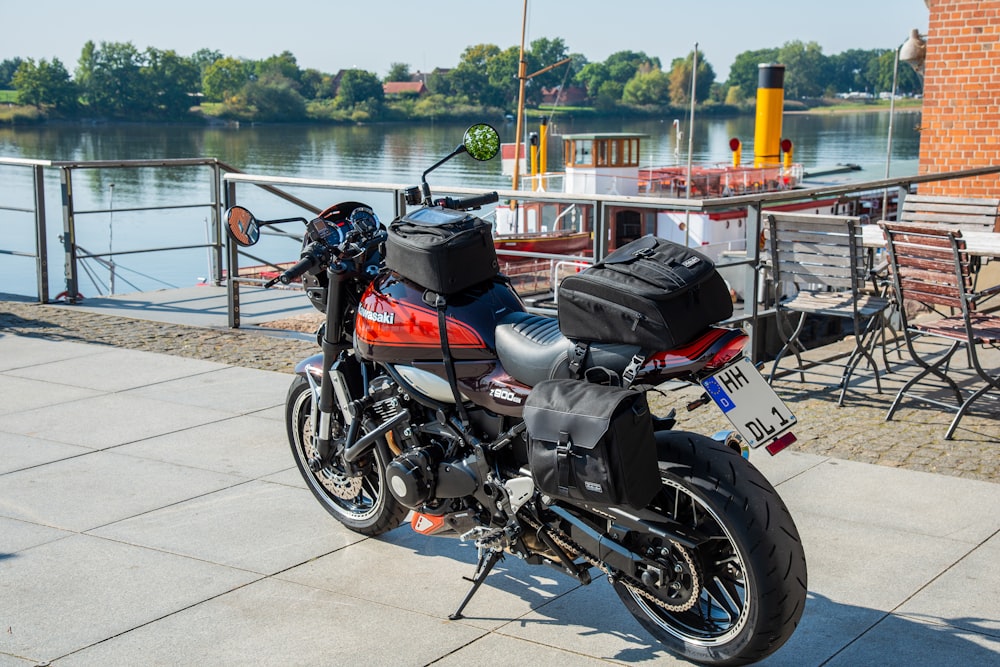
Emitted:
<point x="372" y="316"/>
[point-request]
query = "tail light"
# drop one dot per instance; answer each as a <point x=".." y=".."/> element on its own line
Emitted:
<point x="729" y="351"/>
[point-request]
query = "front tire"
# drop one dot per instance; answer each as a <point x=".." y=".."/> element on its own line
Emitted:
<point x="363" y="504"/>
<point x="750" y="573"/>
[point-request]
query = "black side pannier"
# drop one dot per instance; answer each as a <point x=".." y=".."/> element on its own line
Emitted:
<point x="591" y="442"/>
<point x="651" y="292"/>
<point x="441" y="250"/>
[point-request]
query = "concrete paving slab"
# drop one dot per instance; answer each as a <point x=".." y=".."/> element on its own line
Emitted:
<point x="20" y="535"/>
<point x="967" y="596"/>
<point x="273" y="622"/>
<point x="116" y="370"/>
<point x="904" y="642"/>
<point x="19" y="394"/>
<point x="907" y="500"/>
<point x="239" y="390"/>
<point x="24" y="351"/>
<point x="514" y="652"/>
<point x="107" y="420"/>
<point x="785" y="465"/>
<point x="257" y="526"/>
<point x="63" y="596"/>
<point x="248" y="446"/>
<point x="591" y="621"/>
<point x="18" y="452"/>
<point x="101" y="487"/>
<point x="434" y="568"/>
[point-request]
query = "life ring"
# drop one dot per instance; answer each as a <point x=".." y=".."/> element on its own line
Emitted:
<point x="62" y="296"/>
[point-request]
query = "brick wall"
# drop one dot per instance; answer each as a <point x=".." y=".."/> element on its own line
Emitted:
<point x="960" y="126"/>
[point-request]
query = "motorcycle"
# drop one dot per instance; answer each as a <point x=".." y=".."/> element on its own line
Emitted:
<point x="436" y="394"/>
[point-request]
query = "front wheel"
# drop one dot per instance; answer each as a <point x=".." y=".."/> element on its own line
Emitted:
<point x="362" y="503"/>
<point x="739" y="595"/>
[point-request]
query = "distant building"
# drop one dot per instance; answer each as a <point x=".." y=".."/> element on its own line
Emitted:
<point x="571" y="95"/>
<point x="400" y="88"/>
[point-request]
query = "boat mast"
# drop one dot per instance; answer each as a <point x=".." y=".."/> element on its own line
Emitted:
<point x="522" y="68"/>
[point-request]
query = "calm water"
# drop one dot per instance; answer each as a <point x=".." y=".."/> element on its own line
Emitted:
<point x="383" y="154"/>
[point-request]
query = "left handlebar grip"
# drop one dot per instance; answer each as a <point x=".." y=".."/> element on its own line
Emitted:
<point x="297" y="269"/>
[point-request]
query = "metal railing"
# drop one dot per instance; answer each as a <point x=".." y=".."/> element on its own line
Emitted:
<point x="225" y="181"/>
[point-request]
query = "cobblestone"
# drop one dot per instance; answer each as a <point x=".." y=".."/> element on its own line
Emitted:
<point x="857" y="431"/>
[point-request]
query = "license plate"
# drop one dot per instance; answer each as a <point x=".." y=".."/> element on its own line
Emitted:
<point x="749" y="403"/>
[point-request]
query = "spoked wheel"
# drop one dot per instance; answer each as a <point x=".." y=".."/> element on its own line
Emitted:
<point x="363" y="503"/>
<point x="739" y="595"/>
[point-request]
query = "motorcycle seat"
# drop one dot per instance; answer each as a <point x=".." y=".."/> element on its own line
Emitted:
<point x="531" y="349"/>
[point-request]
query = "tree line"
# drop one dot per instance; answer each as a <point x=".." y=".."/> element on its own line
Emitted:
<point x="116" y="80"/>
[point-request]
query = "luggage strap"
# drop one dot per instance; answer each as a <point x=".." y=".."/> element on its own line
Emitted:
<point x="563" y="448"/>
<point x="576" y="357"/>
<point x="628" y="375"/>
<point x="441" y="303"/>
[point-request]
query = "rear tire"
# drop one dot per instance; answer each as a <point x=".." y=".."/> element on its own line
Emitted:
<point x="751" y="573"/>
<point x="363" y="504"/>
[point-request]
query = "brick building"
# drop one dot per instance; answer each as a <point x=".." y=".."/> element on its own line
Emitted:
<point x="960" y="126"/>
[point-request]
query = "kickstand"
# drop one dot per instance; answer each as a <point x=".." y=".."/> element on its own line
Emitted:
<point x="486" y="563"/>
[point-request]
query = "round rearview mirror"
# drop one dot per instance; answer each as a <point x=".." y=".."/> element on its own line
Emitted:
<point x="482" y="141"/>
<point x="242" y="226"/>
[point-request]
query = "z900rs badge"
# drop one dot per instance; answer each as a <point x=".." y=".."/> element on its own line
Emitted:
<point x="502" y="394"/>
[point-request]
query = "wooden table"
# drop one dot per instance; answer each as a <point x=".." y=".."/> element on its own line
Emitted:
<point x="978" y="243"/>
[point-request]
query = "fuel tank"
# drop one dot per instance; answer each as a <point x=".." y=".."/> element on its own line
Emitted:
<point x="397" y="326"/>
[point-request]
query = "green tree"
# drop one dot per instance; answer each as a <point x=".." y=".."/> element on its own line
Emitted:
<point x="591" y="76"/>
<point x="7" y="69"/>
<point x="45" y="84"/>
<point x="111" y="79"/>
<point x="398" y="72"/>
<point x="171" y="80"/>
<point x="273" y="99"/>
<point x="744" y="70"/>
<point x="202" y="58"/>
<point x="806" y="69"/>
<point x="224" y="78"/>
<point x="650" y="87"/>
<point x="544" y="52"/>
<point x="848" y="71"/>
<point x="501" y="74"/>
<point x="310" y="83"/>
<point x="360" y="88"/>
<point x="470" y="79"/>
<point x="680" y="79"/>
<point x="283" y="64"/>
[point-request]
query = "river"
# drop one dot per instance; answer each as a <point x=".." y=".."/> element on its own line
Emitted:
<point x="374" y="153"/>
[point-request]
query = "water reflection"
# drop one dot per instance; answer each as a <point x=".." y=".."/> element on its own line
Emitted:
<point x="391" y="153"/>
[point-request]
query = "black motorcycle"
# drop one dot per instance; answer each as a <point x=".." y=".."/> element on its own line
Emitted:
<point x="439" y="396"/>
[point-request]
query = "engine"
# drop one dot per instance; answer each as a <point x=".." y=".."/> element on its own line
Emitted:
<point x="426" y="468"/>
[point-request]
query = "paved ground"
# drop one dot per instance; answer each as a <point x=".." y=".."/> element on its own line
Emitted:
<point x="856" y="432"/>
<point x="149" y="514"/>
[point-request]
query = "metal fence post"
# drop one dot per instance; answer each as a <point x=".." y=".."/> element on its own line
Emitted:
<point x="41" y="237"/>
<point x="69" y="234"/>
<point x="232" y="267"/>
<point x="751" y="286"/>
<point x="217" y="234"/>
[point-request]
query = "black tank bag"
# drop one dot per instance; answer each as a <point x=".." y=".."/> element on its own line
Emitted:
<point x="441" y="249"/>
<point x="592" y="443"/>
<point x="651" y="292"/>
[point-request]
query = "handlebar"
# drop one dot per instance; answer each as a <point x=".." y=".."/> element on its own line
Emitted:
<point x="313" y="254"/>
<point x="468" y="203"/>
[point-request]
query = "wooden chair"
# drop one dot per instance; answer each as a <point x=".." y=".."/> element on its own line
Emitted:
<point x="820" y="268"/>
<point x="953" y="212"/>
<point x="930" y="265"/>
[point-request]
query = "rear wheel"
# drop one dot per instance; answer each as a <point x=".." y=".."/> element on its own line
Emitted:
<point x="362" y="503"/>
<point x="739" y="595"/>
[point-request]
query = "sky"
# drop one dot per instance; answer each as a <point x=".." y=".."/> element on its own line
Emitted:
<point x="373" y="34"/>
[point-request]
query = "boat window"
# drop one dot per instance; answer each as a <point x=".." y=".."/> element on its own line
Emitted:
<point x="614" y="153"/>
<point x="584" y="152"/>
<point x="601" y="148"/>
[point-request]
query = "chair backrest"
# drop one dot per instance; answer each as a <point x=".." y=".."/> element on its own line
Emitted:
<point x="821" y="250"/>
<point x="929" y="263"/>
<point x="956" y="212"/>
